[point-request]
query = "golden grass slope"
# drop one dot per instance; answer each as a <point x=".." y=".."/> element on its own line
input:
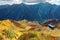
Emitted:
<point x="26" y="30"/>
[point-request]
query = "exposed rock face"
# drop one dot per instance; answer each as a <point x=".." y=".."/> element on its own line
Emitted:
<point x="51" y="22"/>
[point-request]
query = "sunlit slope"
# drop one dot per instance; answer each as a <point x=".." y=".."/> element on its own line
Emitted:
<point x="27" y="30"/>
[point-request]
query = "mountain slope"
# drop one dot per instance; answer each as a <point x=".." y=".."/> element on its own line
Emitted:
<point x="38" y="12"/>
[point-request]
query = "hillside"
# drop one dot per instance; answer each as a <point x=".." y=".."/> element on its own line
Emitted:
<point x="38" y="12"/>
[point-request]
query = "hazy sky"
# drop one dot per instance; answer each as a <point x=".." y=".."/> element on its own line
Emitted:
<point x="2" y="2"/>
<point x="54" y="2"/>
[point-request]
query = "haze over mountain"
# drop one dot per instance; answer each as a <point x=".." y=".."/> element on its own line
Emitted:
<point x="11" y="2"/>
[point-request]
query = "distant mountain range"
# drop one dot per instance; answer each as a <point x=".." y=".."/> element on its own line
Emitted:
<point x="38" y="12"/>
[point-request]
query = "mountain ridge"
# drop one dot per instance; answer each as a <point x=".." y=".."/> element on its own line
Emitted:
<point x="38" y="12"/>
